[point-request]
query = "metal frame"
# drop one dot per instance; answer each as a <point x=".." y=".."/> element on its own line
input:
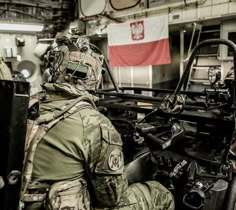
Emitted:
<point x="119" y="92"/>
<point x="138" y="103"/>
<point x="214" y="129"/>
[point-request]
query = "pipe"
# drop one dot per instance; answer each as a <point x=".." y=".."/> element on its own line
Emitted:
<point x="145" y="98"/>
<point x="231" y="195"/>
<point x="95" y="48"/>
<point x="191" y="41"/>
<point x="110" y="75"/>
<point x="181" y="53"/>
<point x="185" y="3"/>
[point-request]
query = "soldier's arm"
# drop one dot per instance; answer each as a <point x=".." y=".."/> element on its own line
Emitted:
<point x="106" y="165"/>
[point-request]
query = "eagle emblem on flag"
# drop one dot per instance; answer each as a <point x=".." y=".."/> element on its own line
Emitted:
<point x="140" y="42"/>
<point x="137" y="30"/>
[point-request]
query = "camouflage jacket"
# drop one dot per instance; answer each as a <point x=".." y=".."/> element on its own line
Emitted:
<point x="83" y="146"/>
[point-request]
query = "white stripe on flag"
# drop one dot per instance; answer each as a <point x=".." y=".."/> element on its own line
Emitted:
<point x="155" y="28"/>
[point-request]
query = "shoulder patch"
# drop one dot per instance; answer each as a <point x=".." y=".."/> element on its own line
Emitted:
<point x="115" y="160"/>
<point x="111" y="160"/>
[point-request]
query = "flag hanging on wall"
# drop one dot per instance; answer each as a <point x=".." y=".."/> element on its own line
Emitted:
<point x="139" y="43"/>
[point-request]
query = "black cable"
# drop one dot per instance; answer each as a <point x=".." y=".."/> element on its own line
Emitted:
<point x="113" y="7"/>
<point x="148" y="115"/>
<point x="185" y="3"/>
<point x="59" y="60"/>
<point x="123" y="120"/>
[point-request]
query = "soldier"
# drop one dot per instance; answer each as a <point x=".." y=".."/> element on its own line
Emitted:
<point x="74" y="158"/>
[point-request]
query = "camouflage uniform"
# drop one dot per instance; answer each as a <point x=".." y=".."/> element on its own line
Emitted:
<point x="76" y="161"/>
<point x="87" y="137"/>
<point x="5" y="73"/>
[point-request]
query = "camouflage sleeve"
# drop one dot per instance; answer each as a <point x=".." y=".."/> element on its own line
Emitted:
<point x="106" y="164"/>
<point x="108" y="190"/>
<point x="109" y="181"/>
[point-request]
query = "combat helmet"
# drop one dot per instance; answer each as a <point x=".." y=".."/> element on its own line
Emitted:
<point x="74" y="61"/>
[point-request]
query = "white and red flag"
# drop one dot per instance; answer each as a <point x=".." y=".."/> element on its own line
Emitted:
<point x="139" y="43"/>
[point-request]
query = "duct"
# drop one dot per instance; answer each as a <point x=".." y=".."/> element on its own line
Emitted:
<point x="177" y="5"/>
<point x="124" y="4"/>
<point x="92" y="7"/>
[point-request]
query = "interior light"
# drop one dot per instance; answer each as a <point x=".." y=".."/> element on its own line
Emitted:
<point x="21" y="27"/>
<point x="25" y="73"/>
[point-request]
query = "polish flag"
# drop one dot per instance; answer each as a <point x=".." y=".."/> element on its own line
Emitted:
<point x="139" y="43"/>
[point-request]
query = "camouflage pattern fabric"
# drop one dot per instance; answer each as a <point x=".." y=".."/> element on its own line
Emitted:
<point x="69" y="195"/>
<point x="88" y="138"/>
<point x="73" y="91"/>
<point x="82" y="56"/>
<point x="150" y="195"/>
<point x="5" y="73"/>
<point x="92" y="60"/>
<point x="146" y="196"/>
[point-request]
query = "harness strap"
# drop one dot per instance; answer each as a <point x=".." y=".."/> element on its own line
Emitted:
<point x="28" y="164"/>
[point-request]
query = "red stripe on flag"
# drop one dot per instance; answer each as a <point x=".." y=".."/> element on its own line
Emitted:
<point x="152" y="53"/>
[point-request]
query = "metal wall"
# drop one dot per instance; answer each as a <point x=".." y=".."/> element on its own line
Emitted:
<point x="165" y="75"/>
<point x="26" y="53"/>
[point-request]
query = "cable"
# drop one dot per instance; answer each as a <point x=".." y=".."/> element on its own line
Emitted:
<point x="59" y="61"/>
<point x="148" y="115"/>
<point x="185" y="3"/>
<point x="124" y="121"/>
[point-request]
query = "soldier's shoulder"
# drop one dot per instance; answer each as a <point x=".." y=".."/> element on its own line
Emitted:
<point x="93" y="117"/>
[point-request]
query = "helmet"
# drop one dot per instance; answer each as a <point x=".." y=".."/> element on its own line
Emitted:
<point x="74" y="61"/>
